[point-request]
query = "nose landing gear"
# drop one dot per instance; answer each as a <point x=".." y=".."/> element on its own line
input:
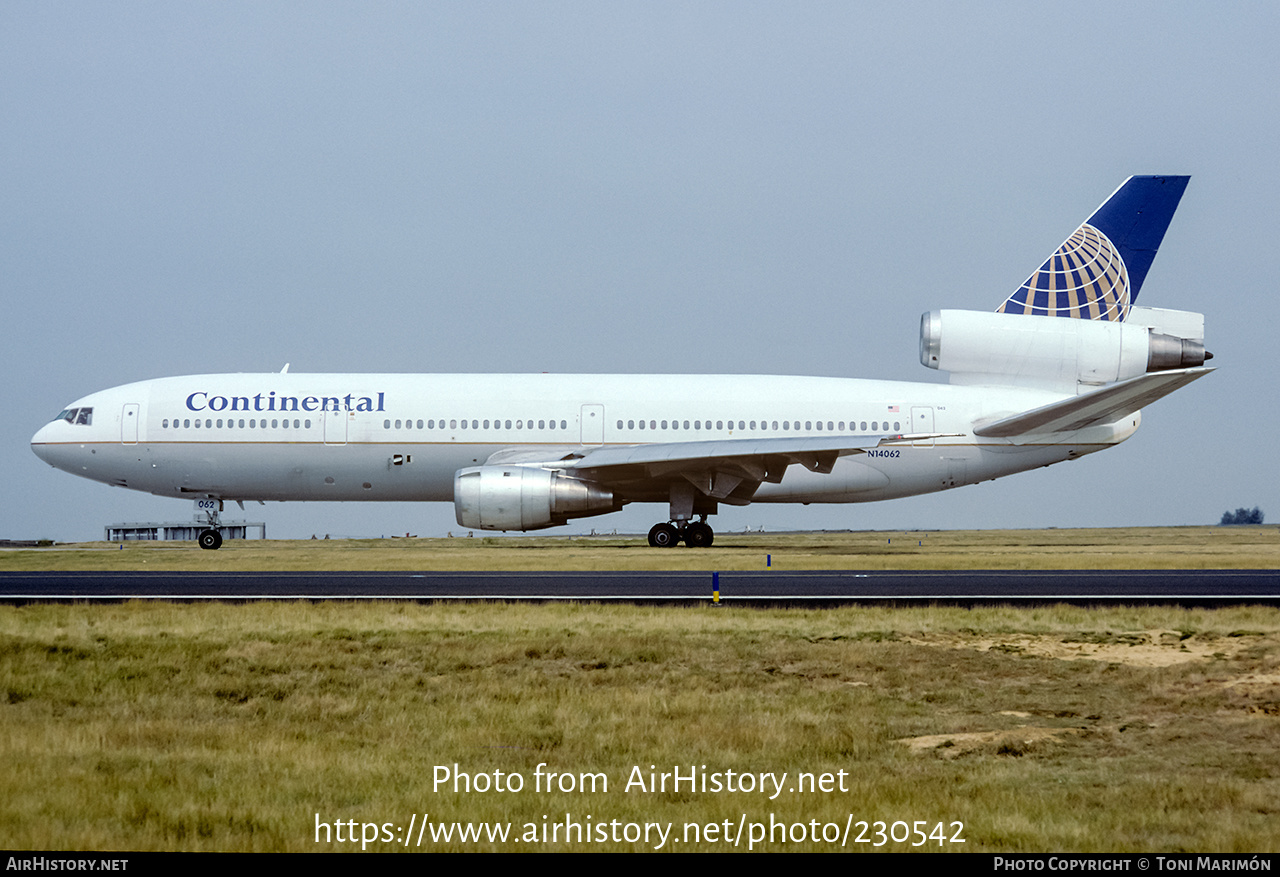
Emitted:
<point x="210" y="538"/>
<point x="695" y="534"/>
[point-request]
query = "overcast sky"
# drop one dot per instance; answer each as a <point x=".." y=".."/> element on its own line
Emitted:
<point x="640" y="188"/>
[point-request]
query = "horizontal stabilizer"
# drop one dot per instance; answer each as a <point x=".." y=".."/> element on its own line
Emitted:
<point x="1100" y="406"/>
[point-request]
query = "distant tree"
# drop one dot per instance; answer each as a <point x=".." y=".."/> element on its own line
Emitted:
<point x="1242" y="516"/>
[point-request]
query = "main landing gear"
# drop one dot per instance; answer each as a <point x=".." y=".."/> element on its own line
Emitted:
<point x="695" y="534"/>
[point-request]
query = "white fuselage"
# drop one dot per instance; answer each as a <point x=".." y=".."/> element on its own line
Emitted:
<point x="403" y="437"/>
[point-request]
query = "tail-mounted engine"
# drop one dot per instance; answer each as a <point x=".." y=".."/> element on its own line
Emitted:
<point x="524" y="498"/>
<point x="1020" y="350"/>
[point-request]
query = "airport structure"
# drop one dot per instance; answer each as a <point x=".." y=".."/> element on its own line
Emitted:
<point x="181" y="531"/>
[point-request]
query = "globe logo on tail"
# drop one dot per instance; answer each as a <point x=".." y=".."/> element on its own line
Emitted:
<point x="1085" y="279"/>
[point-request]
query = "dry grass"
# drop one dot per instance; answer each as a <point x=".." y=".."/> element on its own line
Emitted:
<point x="160" y="726"/>
<point x="1117" y="548"/>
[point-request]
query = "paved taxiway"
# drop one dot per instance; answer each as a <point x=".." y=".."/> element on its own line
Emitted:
<point x="1198" y="587"/>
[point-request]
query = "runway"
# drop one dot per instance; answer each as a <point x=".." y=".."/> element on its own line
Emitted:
<point x="1190" y="587"/>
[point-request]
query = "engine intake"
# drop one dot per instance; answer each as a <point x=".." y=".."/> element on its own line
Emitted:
<point x="524" y="498"/>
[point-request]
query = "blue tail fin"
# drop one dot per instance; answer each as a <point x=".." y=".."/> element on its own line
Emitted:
<point x="1097" y="273"/>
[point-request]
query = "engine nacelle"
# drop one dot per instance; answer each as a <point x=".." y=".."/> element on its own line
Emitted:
<point x="1020" y="350"/>
<point x="524" y="498"/>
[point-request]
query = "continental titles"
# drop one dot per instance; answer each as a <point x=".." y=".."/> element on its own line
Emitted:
<point x="201" y="401"/>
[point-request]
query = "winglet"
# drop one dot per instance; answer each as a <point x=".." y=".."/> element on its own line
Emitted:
<point x="1097" y="272"/>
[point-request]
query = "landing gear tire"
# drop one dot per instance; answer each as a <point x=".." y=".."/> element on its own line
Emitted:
<point x="699" y="535"/>
<point x="210" y="540"/>
<point x="664" y="536"/>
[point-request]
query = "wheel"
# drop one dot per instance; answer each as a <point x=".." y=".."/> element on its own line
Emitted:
<point x="699" y="535"/>
<point x="210" y="540"/>
<point x="664" y="536"/>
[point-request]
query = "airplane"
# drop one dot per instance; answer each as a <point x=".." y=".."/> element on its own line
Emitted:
<point x="1061" y="369"/>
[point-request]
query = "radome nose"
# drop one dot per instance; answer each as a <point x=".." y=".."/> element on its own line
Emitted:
<point x="39" y="443"/>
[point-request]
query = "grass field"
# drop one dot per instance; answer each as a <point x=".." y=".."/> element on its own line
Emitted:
<point x="142" y="726"/>
<point x="1115" y="548"/>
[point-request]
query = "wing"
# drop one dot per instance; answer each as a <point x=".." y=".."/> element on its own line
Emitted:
<point x="725" y="470"/>
<point x="1100" y="406"/>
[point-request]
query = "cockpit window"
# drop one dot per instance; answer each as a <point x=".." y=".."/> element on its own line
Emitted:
<point x="78" y="416"/>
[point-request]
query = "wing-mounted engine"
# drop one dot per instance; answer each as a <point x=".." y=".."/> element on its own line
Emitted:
<point x="498" y="497"/>
<point x="1056" y="353"/>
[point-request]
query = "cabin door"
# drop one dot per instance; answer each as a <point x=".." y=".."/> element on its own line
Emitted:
<point x="129" y="424"/>
<point x="335" y="427"/>
<point x="921" y="422"/>
<point x="593" y="424"/>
